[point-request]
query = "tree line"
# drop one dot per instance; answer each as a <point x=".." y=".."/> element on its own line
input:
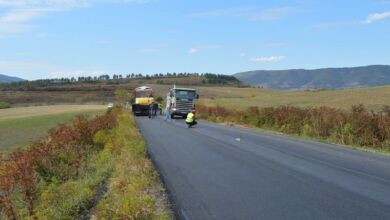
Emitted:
<point x="210" y="78"/>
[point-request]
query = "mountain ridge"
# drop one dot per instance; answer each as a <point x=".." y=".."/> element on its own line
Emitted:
<point x="9" y="79"/>
<point x="329" y="78"/>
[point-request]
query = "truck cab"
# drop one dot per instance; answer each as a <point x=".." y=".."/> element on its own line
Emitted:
<point x="181" y="100"/>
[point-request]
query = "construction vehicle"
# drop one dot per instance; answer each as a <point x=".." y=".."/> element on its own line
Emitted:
<point x="142" y="99"/>
<point x="181" y="100"/>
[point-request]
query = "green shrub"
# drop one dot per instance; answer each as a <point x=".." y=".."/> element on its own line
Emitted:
<point x="357" y="126"/>
<point x="128" y="195"/>
<point x="4" y="105"/>
<point x="55" y="178"/>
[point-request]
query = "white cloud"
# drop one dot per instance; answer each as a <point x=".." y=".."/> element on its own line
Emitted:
<point x="242" y="54"/>
<point x="147" y="50"/>
<point x="268" y="58"/>
<point x="24" y="69"/>
<point x="18" y="15"/>
<point x="227" y="12"/>
<point x="37" y="70"/>
<point x="251" y="13"/>
<point x="192" y="50"/>
<point x="384" y="3"/>
<point x="42" y="35"/>
<point x="6" y="65"/>
<point x="332" y="25"/>
<point x="371" y="18"/>
<point x="275" y="13"/>
<point x="103" y="42"/>
<point x="74" y="73"/>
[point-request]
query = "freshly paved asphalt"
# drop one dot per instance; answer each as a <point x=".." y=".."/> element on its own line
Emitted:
<point x="221" y="172"/>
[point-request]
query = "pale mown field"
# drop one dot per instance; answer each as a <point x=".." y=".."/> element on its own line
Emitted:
<point x="373" y="98"/>
<point x="23" y="125"/>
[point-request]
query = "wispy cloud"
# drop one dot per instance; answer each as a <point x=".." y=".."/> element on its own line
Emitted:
<point x="147" y="50"/>
<point x="74" y="73"/>
<point x="374" y="17"/>
<point x="18" y="15"/>
<point x="103" y="42"/>
<point x="331" y="25"/>
<point x="192" y="50"/>
<point x="251" y="13"/>
<point x="24" y="69"/>
<point x="227" y="12"/>
<point x="268" y="58"/>
<point x="371" y="18"/>
<point x="384" y="2"/>
<point x="32" y="69"/>
<point x="275" y="13"/>
<point x="7" y="65"/>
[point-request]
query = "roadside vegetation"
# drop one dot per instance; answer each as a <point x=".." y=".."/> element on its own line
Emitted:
<point x="357" y="126"/>
<point x="102" y="89"/>
<point x="214" y="90"/>
<point x="23" y="125"/>
<point x="62" y="176"/>
<point x="373" y="98"/>
<point x="4" y="105"/>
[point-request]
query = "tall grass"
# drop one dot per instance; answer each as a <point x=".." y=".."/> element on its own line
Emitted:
<point x="357" y="126"/>
<point x="59" y="176"/>
<point x="134" y="187"/>
<point x="4" y="105"/>
<point x="33" y="180"/>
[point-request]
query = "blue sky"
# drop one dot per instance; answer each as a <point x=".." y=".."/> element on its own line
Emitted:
<point x="56" y="38"/>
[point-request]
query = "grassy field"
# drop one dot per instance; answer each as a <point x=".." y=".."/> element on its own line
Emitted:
<point x="20" y="126"/>
<point x="95" y="168"/>
<point x="239" y="98"/>
<point x="373" y="98"/>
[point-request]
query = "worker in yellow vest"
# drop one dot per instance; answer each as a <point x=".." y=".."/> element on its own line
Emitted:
<point x="190" y="121"/>
<point x="160" y="107"/>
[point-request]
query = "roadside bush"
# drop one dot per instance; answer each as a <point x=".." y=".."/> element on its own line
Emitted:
<point x="357" y="126"/>
<point x="134" y="183"/>
<point x="4" y="105"/>
<point x="36" y="180"/>
<point x="59" y="176"/>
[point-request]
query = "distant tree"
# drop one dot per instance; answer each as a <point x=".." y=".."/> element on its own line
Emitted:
<point x="122" y="96"/>
<point x="159" y="99"/>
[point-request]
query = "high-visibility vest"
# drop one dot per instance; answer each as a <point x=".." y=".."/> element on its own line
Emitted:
<point x="190" y="117"/>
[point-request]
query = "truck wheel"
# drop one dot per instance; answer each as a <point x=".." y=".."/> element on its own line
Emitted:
<point x="172" y="116"/>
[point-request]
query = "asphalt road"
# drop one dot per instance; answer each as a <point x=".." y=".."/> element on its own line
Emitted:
<point x="221" y="172"/>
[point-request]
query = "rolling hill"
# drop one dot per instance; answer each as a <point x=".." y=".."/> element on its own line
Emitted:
<point x="9" y="79"/>
<point x="332" y="78"/>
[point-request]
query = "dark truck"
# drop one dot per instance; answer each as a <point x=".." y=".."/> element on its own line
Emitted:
<point x="182" y="100"/>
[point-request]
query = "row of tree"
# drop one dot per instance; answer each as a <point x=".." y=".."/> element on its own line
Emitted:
<point x="117" y="78"/>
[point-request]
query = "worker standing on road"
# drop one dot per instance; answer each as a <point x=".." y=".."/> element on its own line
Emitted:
<point x="168" y="112"/>
<point x="160" y="108"/>
<point x="190" y="121"/>
<point x="153" y="110"/>
<point x="150" y="110"/>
